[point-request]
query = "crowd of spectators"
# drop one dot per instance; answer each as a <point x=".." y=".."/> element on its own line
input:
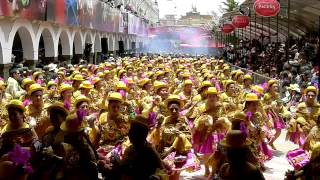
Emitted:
<point x="295" y="61"/>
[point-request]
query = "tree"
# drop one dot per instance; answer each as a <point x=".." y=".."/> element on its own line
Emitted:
<point x="229" y="6"/>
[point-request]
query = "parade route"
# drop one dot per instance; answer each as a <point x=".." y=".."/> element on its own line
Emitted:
<point x="276" y="167"/>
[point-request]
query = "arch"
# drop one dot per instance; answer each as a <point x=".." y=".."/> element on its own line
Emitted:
<point x="97" y="43"/>
<point x="78" y="43"/>
<point x="49" y="46"/>
<point x="27" y="36"/>
<point x="66" y="46"/>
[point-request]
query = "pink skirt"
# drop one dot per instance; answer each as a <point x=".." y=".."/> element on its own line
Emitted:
<point x="208" y="146"/>
<point x="298" y="138"/>
<point x="191" y="163"/>
<point x="279" y="124"/>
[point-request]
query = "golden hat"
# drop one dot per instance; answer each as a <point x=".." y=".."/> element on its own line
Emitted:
<point x="65" y="87"/>
<point x="16" y="104"/>
<point x="234" y="72"/>
<point x="186" y="75"/>
<point x="258" y="89"/>
<point x="173" y="98"/>
<point x="106" y="72"/>
<point x="235" y="139"/>
<point x="144" y="81"/>
<point x="84" y="70"/>
<point x="121" y="86"/>
<point x="159" y="84"/>
<point x="107" y="64"/>
<point x="301" y="120"/>
<point x="115" y="96"/>
<point x="150" y="74"/>
<point x="271" y="82"/>
<point x="238" y="73"/>
<point x="140" y="120"/>
<point x="36" y="74"/>
<point x="78" y="77"/>
<point x="35" y="87"/>
<point x="247" y="77"/>
<point x="159" y="73"/>
<point x="226" y="68"/>
<point x="80" y="99"/>
<point x="221" y="61"/>
<point x="212" y="91"/>
<point x="167" y="70"/>
<point x="251" y="97"/>
<point x="180" y="66"/>
<point x="239" y="116"/>
<point x="100" y="74"/>
<point x="121" y="71"/>
<point x="311" y="89"/>
<point x="228" y="82"/>
<point x="51" y="83"/>
<point x="205" y="84"/>
<point x="26" y="81"/>
<point x="208" y="76"/>
<point x="58" y="105"/>
<point x="61" y="73"/>
<point x="71" y="124"/>
<point x="161" y="66"/>
<point x="95" y="80"/>
<point x="86" y="85"/>
<point x="149" y="65"/>
<point x="129" y="67"/>
<point x="187" y="82"/>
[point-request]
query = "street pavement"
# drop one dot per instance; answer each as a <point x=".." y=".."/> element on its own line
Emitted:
<point x="276" y="167"/>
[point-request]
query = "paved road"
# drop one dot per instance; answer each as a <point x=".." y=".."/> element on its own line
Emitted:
<point x="276" y="167"/>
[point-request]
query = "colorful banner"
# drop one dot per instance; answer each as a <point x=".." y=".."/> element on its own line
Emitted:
<point x="29" y="9"/>
<point x="92" y="14"/>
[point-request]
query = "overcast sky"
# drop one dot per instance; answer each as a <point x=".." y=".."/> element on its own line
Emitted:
<point x="183" y="6"/>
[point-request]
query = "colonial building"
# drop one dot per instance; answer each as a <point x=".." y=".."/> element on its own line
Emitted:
<point x="62" y="30"/>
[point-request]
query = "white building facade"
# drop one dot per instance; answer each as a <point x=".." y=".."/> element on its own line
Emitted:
<point x="71" y="37"/>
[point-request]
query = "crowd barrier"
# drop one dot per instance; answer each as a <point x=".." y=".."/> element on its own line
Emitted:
<point x="256" y="77"/>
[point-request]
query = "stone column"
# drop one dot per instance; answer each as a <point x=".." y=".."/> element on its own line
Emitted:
<point x="4" y="70"/>
<point x="97" y="57"/>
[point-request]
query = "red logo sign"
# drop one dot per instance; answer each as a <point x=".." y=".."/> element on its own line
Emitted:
<point x="267" y="8"/>
<point x="240" y="21"/>
<point x="227" y="28"/>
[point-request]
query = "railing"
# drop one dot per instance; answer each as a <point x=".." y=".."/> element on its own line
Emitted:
<point x="258" y="78"/>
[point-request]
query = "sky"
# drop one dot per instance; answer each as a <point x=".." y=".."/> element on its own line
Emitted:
<point x="183" y="6"/>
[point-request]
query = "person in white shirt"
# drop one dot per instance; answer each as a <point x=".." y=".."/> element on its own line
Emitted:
<point x="13" y="87"/>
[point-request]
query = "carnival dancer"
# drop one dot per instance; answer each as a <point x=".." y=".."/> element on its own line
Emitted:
<point x="229" y="98"/>
<point x="209" y="127"/>
<point x="305" y="117"/>
<point x="36" y="111"/>
<point x="254" y="129"/>
<point x="114" y="125"/>
<point x="66" y="97"/>
<point x="175" y="136"/>
<point x="16" y="131"/>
